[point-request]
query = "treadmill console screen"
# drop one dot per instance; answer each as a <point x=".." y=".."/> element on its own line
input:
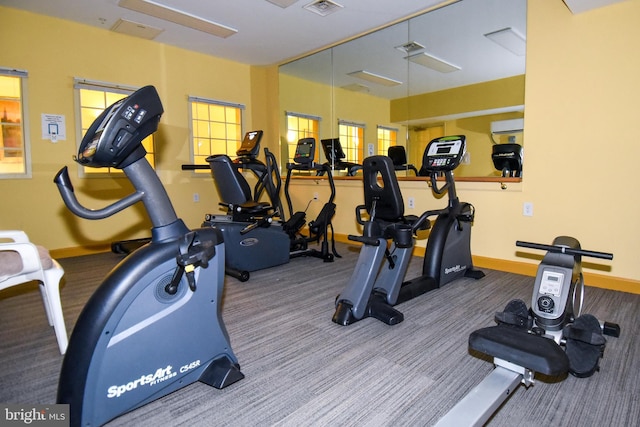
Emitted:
<point x="305" y="151"/>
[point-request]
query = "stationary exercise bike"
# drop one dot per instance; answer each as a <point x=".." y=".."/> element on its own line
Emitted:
<point x="247" y="159"/>
<point x="376" y="284"/>
<point x="154" y="325"/>
<point x="551" y="337"/>
<point x="251" y="243"/>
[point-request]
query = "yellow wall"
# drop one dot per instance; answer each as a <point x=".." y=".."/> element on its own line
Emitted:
<point x="54" y="52"/>
<point x="581" y="107"/>
<point x="470" y="98"/>
<point x="581" y="97"/>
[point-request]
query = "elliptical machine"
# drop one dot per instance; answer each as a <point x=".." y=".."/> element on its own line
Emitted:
<point x="303" y="160"/>
<point x="154" y="325"/>
<point x="552" y="337"/>
<point x="376" y="283"/>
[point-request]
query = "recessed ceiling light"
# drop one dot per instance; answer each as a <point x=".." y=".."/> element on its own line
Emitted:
<point x="136" y="29"/>
<point x="509" y="39"/>
<point x="427" y="60"/>
<point x="179" y="17"/>
<point x="323" y="7"/>
<point x="375" y="78"/>
<point x="357" y="87"/>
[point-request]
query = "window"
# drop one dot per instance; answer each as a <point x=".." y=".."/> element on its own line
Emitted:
<point x="301" y="126"/>
<point x="387" y="137"/>
<point x="216" y="128"/>
<point x="92" y="99"/>
<point x="352" y="140"/>
<point x="15" y="161"/>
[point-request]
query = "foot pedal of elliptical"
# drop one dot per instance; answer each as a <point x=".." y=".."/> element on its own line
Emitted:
<point x="584" y="345"/>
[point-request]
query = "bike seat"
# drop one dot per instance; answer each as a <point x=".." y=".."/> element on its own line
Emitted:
<point x="521" y="348"/>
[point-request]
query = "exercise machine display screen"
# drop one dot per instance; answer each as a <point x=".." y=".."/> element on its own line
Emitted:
<point x="250" y="144"/>
<point x="551" y="283"/>
<point x="114" y="139"/>
<point x="305" y="151"/>
<point x="333" y="149"/>
<point x="88" y="147"/>
<point x="445" y="153"/>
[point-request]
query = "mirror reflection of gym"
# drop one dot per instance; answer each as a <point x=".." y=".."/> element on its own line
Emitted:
<point x="478" y="52"/>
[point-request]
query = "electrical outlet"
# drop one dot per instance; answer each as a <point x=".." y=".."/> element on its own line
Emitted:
<point x="411" y="202"/>
<point x="196" y="197"/>
<point x="527" y="209"/>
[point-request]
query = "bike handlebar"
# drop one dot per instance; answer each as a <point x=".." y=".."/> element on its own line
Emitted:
<point x="63" y="182"/>
<point x="565" y="250"/>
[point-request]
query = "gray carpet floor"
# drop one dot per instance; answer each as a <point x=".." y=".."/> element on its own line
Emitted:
<point x="301" y="369"/>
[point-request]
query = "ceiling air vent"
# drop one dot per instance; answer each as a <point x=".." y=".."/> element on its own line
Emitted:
<point x="323" y="7"/>
<point x="410" y="47"/>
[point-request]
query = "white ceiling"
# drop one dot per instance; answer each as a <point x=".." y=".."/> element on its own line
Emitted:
<point x="267" y="34"/>
<point x="454" y="33"/>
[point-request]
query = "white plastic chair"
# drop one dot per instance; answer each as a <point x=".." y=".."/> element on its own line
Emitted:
<point x="21" y="261"/>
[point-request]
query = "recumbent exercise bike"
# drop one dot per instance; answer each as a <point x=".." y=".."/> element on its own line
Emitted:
<point x="376" y="284"/>
<point x="256" y="233"/>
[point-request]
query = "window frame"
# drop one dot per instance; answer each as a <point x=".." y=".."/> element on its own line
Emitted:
<point x="346" y="141"/>
<point x="384" y="143"/>
<point x="24" y="123"/>
<point x="196" y="159"/>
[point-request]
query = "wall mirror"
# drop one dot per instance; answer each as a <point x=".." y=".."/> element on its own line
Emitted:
<point x="459" y="69"/>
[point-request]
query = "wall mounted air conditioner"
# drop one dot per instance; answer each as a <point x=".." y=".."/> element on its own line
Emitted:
<point x="502" y="127"/>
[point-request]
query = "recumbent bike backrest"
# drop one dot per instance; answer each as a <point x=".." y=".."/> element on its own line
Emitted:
<point x="389" y="205"/>
<point x="232" y="187"/>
